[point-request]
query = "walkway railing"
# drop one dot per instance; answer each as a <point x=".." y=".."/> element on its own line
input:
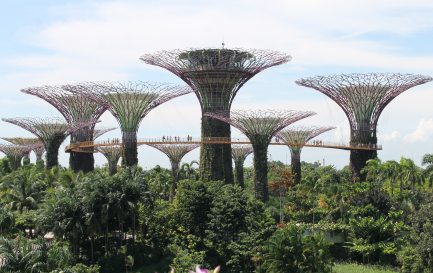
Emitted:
<point x="87" y="146"/>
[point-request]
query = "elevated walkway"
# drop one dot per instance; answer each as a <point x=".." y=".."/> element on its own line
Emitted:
<point x="88" y="146"/>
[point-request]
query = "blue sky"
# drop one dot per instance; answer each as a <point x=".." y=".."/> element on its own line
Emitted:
<point x="55" y="42"/>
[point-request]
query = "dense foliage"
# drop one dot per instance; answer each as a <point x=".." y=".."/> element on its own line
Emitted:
<point x="59" y="221"/>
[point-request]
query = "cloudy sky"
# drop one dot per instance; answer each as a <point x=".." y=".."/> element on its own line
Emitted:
<point x="59" y="41"/>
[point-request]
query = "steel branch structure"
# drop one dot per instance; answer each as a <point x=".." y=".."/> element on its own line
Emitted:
<point x="35" y="142"/>
<point x="175" y="152"/>
<point x="129" y="103"/>
<point x="296" y="138"/>
<point x="260" y="127"/>
<point x="51" y="131"/>
<point x="239" y="153"/>
<point x="112" y="154"/>
<point x="215" y="75"/>
<point x="97" y="132"/>
<point x="15" y="153"/>
<point x="363" y="98"/>
<point x="74" y="108"/>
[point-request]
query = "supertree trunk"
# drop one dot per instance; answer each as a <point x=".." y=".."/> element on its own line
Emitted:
<point x="129" y="154"/>
<point x="239" y="170"/>
<point x="112" y="168"/>
<point x="26" y="158"/>
<point x="52" y="148"/>
<point x="261" y="172"/>
<point x="84" y="162"/>
<point x="215" y="159"/>
<point x="175" y="174"/>
<point x="296" y="165"/>
<point x="15" y="163"/>
<point x="359" y="158"/>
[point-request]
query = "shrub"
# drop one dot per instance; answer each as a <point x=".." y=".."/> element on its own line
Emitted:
<point x="290" y="250"/>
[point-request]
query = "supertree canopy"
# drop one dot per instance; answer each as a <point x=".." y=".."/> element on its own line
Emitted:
<point x="239" y="153"/>
<point x="296" y="138"/>
<point x="51" y="131"/>
<point x="75" y="108"/>
<point x="363" y="98"/>
<point x="15" y="153"/>
<point x="175" y="152"/>
<point x="112" y="154"/>
<point x="260" y="127"/>
<point x="34" y="141"/>
<point x="130" y="102"/>
<point x="215" y="75"/>
<point x="97" y="132"/>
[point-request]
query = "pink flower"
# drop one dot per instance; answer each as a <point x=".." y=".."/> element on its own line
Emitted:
<point x="204" y="270"/>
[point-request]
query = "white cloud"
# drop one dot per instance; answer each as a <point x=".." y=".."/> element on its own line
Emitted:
<point x="422" y="132"/>
<point x="391" y="136"/>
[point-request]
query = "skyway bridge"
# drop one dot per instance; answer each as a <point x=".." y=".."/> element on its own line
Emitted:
<point x="88" y="146"/>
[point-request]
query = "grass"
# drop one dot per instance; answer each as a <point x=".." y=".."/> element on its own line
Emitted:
<point x="357" y="268"/>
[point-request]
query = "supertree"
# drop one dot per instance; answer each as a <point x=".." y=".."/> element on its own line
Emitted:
<point x="34" y="141"/>
<point x="239" y="153"/>
<point x="97" y="132"/>
<point x="260" y="127"/>
<point x="74" y="108"/>
<point x="175" y="152"/>
<point x="215" y="75"/>
<point x="363" y="98"/>
<point x="15" y="153"/>
<point x="112" y="154"/>
<point x="296" y="138"/>
<point x="129" y="103"/>
<point x="51" y="131"/>
<point x="39" y="151"/>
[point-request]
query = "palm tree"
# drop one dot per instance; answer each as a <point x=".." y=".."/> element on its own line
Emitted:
<point x="428" y="171"/>
<point x="187" y="170"/>
<point x="22" y="255"/>
<point x="391" y="171"/>
<point x="409" y="173"/>
<point x="21" y="189"/>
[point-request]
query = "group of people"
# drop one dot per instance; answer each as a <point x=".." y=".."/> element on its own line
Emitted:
<point x="176" y="138"/>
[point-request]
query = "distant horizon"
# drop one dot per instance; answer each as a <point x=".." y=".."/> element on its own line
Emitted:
<point x="58" y="42"/>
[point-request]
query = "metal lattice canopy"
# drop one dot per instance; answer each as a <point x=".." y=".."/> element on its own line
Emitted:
<point x="73" y="107"/>
<point x="297" y="137"/>
<point x="130" y="102"/>
<point x="111" y="153"/>
<point x="22" y="140"/>
<point x="48" y="128"/>
<point x="363" y="96"/>
<point x="15" y="151"/>
<point x="241" y="151"/>
<point x="97" y="132"/>
<point x="216" y="74"/>
<point x="260" y="125"/>
<point x="175" y="152"/>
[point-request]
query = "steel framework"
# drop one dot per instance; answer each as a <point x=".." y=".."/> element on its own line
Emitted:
<point x="215" y="75"/>
<point x="175" y="152"/>
<point x="34" y="141"/>
<point x="129" y="103"/>
<point x="296" y="138"/>
<point x="51" y="131"/>
<point x="97" y="132"/>
<point x="112" y="154"/>
<point x="15" y="153"/>
<point x="239" y="153"/>
<point x="260" y="127"/>
<point x="74" y="108"/>
<point x="363" y="98"/>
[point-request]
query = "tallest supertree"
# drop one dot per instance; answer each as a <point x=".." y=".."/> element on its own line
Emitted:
<point x="215" y="75"/>
<point x="363" y="98"/>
